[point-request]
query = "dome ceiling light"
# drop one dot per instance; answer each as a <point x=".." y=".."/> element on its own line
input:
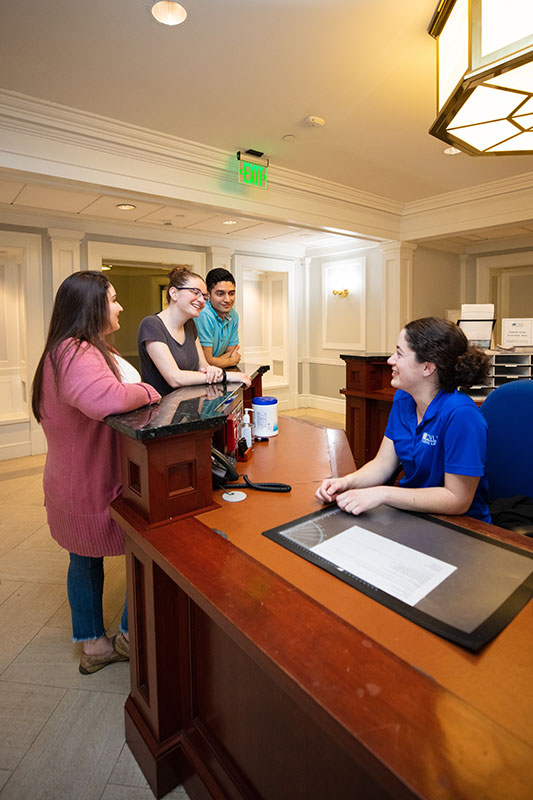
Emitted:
<point x="168" y="12"/>
<point x="484" y="75"/>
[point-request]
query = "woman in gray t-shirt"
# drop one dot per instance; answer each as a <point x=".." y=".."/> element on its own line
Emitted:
<point x="169" y="350"/>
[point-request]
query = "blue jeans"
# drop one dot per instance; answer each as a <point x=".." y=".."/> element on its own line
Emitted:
<point x="85" y="587"/>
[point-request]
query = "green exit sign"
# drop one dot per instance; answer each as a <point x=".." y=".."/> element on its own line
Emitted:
<point x="252" y="174"/>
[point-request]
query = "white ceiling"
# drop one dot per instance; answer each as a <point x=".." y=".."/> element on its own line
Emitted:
<point x="240" y="74"/>
<point x="84" y="204"/>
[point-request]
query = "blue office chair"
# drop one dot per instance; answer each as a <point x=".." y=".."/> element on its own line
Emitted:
<point x="509" y="414"/>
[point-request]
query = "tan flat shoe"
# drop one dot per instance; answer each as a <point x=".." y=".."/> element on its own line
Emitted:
<point x="121" y="644"/>
<point x="90" y="664"/>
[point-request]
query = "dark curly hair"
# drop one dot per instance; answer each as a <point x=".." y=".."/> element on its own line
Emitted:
<point x="444" y="344"/>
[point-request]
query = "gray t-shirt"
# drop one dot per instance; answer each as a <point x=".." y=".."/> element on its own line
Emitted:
<point x="153" y="329"/>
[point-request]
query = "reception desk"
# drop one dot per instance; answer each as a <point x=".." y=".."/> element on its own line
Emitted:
<point x="257" y="675"/>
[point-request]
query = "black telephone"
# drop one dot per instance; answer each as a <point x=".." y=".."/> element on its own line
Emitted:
<point x="223" y="469"/>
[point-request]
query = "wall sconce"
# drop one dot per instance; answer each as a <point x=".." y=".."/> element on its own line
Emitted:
<point x="341" y="292"/>
<point x="485" y="76"/>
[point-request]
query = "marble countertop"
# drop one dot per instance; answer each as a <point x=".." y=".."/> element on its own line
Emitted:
<point x="187" y="409"/>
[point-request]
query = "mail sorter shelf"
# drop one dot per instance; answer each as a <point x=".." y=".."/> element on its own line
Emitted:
<point x="504" y="368"/>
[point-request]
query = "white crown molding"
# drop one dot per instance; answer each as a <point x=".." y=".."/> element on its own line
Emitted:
<point x="49" y="138"/>
<point x="41" y="138"/>
<point x="505" y="201"/>
<point x="499" y="188"/>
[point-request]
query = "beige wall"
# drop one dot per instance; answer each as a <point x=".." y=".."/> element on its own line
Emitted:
<point x="326" y="380"/>
<point x="436" y="282"/>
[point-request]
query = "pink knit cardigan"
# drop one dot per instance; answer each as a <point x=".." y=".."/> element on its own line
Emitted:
<point x="82" y="473"/>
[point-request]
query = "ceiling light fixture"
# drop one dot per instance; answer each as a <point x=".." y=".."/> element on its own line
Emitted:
<point x="315" y="122"/>
<point x="484" y="75"/>
<point x="125" y="206"/>
<point x="452" y="151"/>
<point x="168" y="12"/>
<point x="230" y="222"/>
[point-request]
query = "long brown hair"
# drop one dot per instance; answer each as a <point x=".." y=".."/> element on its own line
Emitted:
<point x="80" y="313"/>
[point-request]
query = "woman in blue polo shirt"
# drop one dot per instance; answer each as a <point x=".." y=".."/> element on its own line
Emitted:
<point x="437" y="434"/>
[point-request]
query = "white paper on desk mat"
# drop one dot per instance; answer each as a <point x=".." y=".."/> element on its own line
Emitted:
<point x="394" y="568"/>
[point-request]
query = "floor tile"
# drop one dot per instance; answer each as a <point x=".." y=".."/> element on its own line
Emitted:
<point x="75" y="752"/>
<point x="22" y="616"/>
<point x="29" y="565"/>
<point x="40" y="540"/>
<point x="52" y="659"/>
<point x="328" y="419"/>
<point x="21" y="513"/>
<point x="113" y="792"/>
<point x="127" y="772"/>
<point x="22" y="465"/>
<point x="13" y="534"/>
<point x="23" y="712"/>
<point x="4" y="777"/>
<point x="28" y="492"/>
<point x="7" y="588"/>
<point x="62" y="618"/>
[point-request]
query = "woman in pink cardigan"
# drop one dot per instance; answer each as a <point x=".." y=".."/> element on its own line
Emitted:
<point x="78" y="383"/>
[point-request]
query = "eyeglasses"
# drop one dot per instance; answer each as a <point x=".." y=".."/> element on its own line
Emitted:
<point x="194" y="290"/>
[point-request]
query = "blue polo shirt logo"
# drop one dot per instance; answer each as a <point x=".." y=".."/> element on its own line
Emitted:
<point x="429" y="438"/>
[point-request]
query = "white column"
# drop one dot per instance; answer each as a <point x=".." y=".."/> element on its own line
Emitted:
<point x="219" y="258"/>
<point x="65" y="254"/>
<point x="397" y="290"/>
<point x="305" y="349"/>
<point x="468" y="278"/>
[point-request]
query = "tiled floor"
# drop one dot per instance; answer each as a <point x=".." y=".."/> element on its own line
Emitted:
<point x="61" y="733"/>
<point x="329" y="419"/>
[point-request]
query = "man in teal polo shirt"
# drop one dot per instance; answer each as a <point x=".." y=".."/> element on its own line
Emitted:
<point x="218" y="322"/>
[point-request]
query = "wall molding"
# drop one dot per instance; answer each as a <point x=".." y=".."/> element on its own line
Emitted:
<point x="337" y="406"/>
<point x="48" y="138"/>
<point x="327" y="362"/>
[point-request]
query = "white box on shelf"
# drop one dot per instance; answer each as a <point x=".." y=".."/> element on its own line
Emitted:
<point x="517" y="331"/>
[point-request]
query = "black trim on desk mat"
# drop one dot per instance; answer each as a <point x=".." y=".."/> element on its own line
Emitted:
<point x="474" y="640"/>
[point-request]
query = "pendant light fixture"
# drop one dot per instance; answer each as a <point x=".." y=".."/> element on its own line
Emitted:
<point x="168" y="12"/>
<point x="484" y="75"/>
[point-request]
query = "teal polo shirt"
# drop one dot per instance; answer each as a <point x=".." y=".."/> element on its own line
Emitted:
<point x="215" y="332"/>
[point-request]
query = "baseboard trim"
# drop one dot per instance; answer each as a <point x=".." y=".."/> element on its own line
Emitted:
<point x="333" y="404"/>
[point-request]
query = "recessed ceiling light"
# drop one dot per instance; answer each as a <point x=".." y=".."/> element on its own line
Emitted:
<point x="315" y="122"/>
<point x="168" y="12"/>
<point x="289" y="137"/>
<point x="230" y="222"/>
<point x="125" y="206"/>
<point x="452" y="151"/>
<point x="306" y="236"/>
